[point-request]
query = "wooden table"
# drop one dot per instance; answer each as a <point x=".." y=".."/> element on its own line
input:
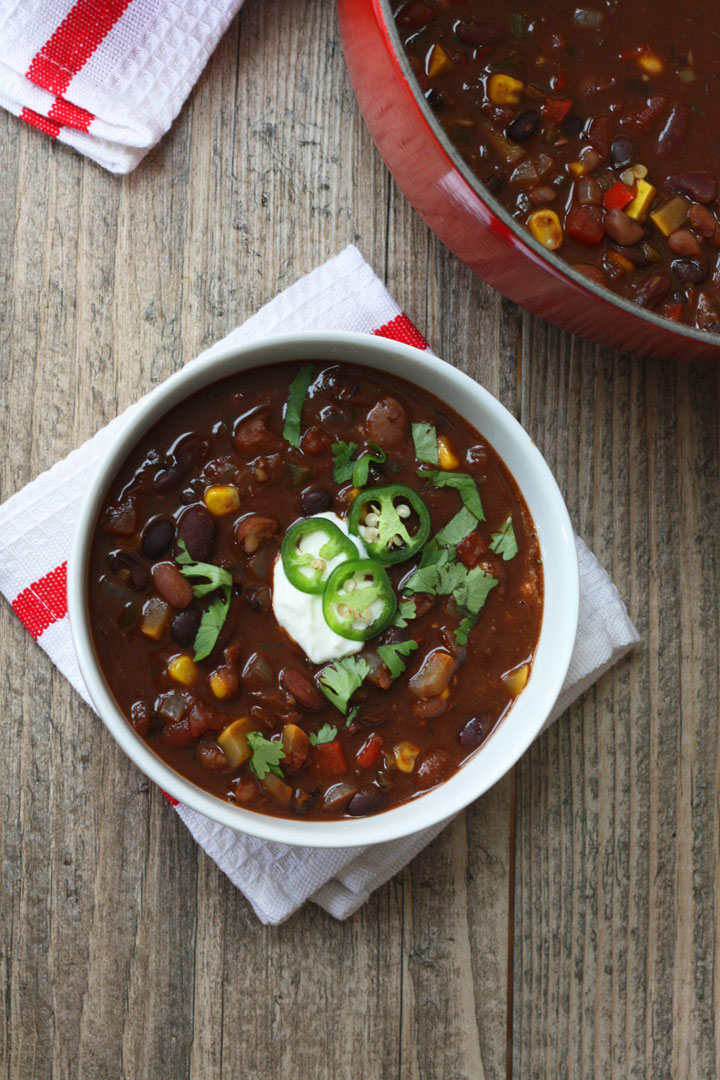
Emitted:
<point x="568" y="924"/>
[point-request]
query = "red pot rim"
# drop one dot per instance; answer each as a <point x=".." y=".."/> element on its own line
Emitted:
<point x="505" y="220"/>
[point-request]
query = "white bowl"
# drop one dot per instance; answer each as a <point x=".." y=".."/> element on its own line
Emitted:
<point x="559" y="623"/>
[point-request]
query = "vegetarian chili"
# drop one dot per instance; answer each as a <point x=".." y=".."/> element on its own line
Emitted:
<point x="595" y="123"/>
<point x="315" y="590"/>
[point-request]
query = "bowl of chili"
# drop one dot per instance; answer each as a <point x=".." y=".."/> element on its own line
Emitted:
<point x="566" y="153"/>
<point x="323" y="589"/>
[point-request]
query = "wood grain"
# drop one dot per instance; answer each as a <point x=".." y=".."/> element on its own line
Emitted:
<point x="567" y="924"/>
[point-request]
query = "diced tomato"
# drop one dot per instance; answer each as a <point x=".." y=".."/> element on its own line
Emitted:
<point x="369" y="752"/>
<point x="554" y="110"/>
<point x="584" y="223"/>
<point x="559" y="82"/>
<point x="673" y="311"/>
<point x="471" y="550"/>
<point x="328" y="759"/>
<point x="618" y="196"/>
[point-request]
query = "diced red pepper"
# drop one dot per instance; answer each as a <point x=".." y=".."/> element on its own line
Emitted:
<point x="471" y="550"/>
<point x="618" y="196"/>
<point x="554" y="110"/>
<point x="328" y="759"/>
<point x="673" y="311"/>
<point x="369" y="752"/>
<point x="559" y="82"/>
<point x="584" y="223"/>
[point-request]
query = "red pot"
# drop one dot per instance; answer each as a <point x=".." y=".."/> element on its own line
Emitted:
<point x="453" y="202"/>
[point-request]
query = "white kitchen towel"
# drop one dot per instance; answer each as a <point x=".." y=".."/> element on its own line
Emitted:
<point x="36" y="527"/>
<point x="108" y="77"/>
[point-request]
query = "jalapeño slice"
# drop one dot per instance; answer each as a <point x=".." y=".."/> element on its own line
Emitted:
<point x="308" y="547"/>
<point x="358" y="601"/>
<point x="379" y="516"/>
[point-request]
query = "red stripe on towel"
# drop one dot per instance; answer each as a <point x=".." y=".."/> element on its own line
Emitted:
<point x="73" y="43"/>
<point x="43" y="602"/>
<point x="402" y="329"/>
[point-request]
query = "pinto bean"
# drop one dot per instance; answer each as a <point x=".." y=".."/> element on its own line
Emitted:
<point x="622" y="229"/>
<point x="593" y="273"/>
<point x="315" y="441"/>
<point x="171" y="584"/>
<point x="253" y="530"/>
<point x="683" y="242"/>
<point x="387" y="423"/>
<point x="300" y="686"/>
<point x="434" y="674"/>
<point x="197" y="529"/>
<point x="428" y="708"/>
<point x="253" y="437"/>
<point x="703" y="221"/>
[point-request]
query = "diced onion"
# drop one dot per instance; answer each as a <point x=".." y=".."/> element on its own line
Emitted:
<point x="588" y="18"/>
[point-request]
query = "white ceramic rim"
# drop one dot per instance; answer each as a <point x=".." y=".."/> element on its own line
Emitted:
<point x="557" y="543"/>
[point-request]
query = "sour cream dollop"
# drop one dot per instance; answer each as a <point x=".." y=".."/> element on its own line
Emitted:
<point x="301" y="615"/>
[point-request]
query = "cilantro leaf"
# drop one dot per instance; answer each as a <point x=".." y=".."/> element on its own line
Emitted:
<point x="326" y="734"/>
<point x="293" y="411"/>
<point x="214" y="618"/>
<point x="425" y="439"/>
<point x="339" y="680"/>
<point x="457" y="528"/>
<point x="504" y="542"/>
<point x="448" y="577"/>
<point x="464" y="628"/>
<point x="351" y="715"/>
<point x="463" y="484"/>
<point x="266" y="755"/>
<point x="344" y="468"/>
<point x="472" y="593"/>
<point x="406" y="610"/>
<point x="211" y="624"/>
<point x="390" y="655"/>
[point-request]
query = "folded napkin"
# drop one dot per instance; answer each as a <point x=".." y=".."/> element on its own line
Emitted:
<point x="36" y="527"/>
<point x="106" y="76"/>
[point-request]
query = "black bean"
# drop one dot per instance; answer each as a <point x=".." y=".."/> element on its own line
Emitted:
<point x="157" y="537"/>
<point x="184" y="626"/>
<point x="623" y="152"/>
<point x="477" y="34"/>
<point x="315" y="501"/>
<point x="473" y="733"/>
<point x="690" y="271"/>
<point x="368" y="800"/>
<point x="436" y="98"/>
<point x="523" y="126"/>
<point x="197" y="529"/>
<point x="167" y="479"/>
<point x="494" y="183"/>
<point x="573" y="125"/>
<point x="188" y="450"/>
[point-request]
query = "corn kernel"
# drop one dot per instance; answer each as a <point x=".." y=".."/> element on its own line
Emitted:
<point x="639" y="208"/>
<point x="446" y="455"/>
<point x="183" y="669"/>
<point x="233" y="742"/>
<point x="624" y="264"/>
<point x="405" y="755"/>
<point x="650" y="62"/>
<point x="576" y="169"/>
<point x="222" y="499"/>
<point x="504" y="89"/>
<point x="516" y="679"/>
<point x="352" y="495"/>
<point x="223" y="683"/>
<point x="546" y="228"/>
<point x="438" y="62"/>
<point x="446" y="693"/>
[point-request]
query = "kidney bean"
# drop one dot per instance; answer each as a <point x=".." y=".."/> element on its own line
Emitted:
<point x="197" y="528"/>
<point x="171" y="584"/>
<point x="120" y="520"/>
<point x="600" y="134"/>
<point x="675" y="129"/>
<point x="690" y="271"/>
<point x="634" y="253"/>
<point x="700" y="186"/>
<point x="542" y="195"/>
<point x="157" y="537"/>
<point x="523" y="126"/>
<point x="185" y="626"/>
<point x="300" y="686"/>
<point x="432" y="769"/>
<point x="651" y="290"/>
<point x="387" y="423"/>
<point x="684" y="242"/>
<point x="473" y="733"/>
<point x="623" y="152"/>
<point x="315" y="501"/>
<point x="368" y="800"/>
<point x="477" y="34"/>
<point x="593" y="273"/>
<point x="645" y="118"/>
<point x="253" y="530"/>
<point x="707" y="314"/>
<point x="209" y="753"/>
<point x="703" y="221"/>
<point x="622" y="229"/>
